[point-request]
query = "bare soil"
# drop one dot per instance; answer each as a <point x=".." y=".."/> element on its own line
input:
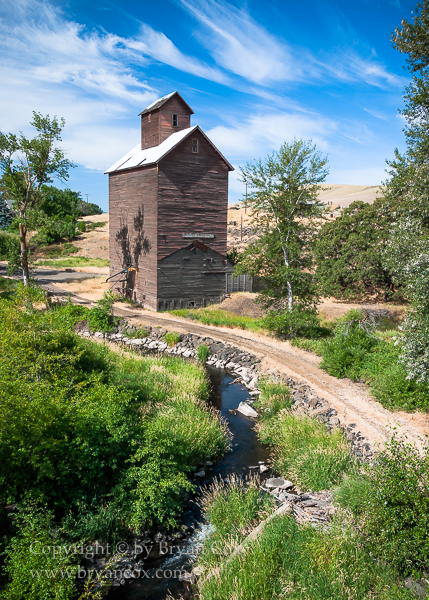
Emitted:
<point x="94" y="244"/>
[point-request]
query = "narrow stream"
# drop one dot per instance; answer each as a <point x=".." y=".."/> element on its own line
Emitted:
<point x="157" y="577"/>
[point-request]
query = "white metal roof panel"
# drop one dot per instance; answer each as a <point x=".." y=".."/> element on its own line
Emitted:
<point x="148" y="156"/>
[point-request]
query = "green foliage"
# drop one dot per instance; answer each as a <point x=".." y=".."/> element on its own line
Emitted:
<point x="81" y="226"/>
<point x="172" y="338"/>
<point x="81" y="424"/>
<point x="396" y="511"/>
<point x="352" y="493"/>
<point x="27" y="166"/>
<point x="234" y="256"/>
<point x="232" y="507"/>
<point x="299" y="321"/>
<point x="274" y="397"/>
<point x="345" y="354"/>
<point x="9" y="245"/>
<point x="5" y="213"/>
<point x="304" y="450"/>
<point x="283" y="200"/>
<point x="87" y="209"/>
<point x="100" y="318"/>
<point x="295" y="562"/>
<point x="349" y="251"/>
<point x="203" y="353"/>
<point x="35" y="574"/>
<point x="220" y="318"/>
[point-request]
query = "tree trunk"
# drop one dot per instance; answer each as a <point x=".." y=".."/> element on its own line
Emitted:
<point x="24" y="256"/>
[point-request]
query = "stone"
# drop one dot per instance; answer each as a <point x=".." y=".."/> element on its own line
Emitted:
<point x="254" y="393"/>
<point x="253" y="383"/>
<point x="209" y="463"/>
<point x="137" y="342"/>
<point x="263" y="468"/>
<point x="98" y="334"/>
<point x="247" y="410"/>
<point x="201" y="473"/>
<point x="278" y="482"/>
<point x="334" y="421"/>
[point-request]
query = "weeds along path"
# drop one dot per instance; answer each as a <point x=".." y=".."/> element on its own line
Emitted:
<point x="351" y="400"/>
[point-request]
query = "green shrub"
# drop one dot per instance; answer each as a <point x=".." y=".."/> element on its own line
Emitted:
<point x="203" y="353"/>
<point x="32" y="573"/>
<point x="298" y="322"/>
<point x="396" y="510"/>
<point x="172" y="338"/>
<point x="100" y="318"/>
<point x="346" y="353"/>
<point x="81" y="226"/>
<point x="9" y="244"/>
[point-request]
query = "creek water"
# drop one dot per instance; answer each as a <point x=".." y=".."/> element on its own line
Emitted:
<point x="162" y="562"/>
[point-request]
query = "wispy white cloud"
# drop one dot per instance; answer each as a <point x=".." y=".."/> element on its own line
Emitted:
<point x="262" y="133"/>
<point x="239" y="44"/>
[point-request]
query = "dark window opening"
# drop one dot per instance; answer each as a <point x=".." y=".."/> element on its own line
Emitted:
<point x="175" y="120"/>
<point x="149" y="117"/>
<point x="191" y="304"/>
<point x="195" y="146"/>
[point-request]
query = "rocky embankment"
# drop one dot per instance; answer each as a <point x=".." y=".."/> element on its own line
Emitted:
<point x="245" y="366"/>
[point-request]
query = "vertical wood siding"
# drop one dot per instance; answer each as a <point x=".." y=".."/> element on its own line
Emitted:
<point x="174" y="105"/>
<point x="193" y="197"/>
<point x="150" y="130"/>
<point x="133" y="229"/>
<point x="191" y="277"/>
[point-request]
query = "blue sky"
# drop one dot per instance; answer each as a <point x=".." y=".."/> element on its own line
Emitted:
<point x="256" y="74"/>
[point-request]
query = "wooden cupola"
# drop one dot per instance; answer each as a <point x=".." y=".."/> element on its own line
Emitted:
<point x="164" y="117"/>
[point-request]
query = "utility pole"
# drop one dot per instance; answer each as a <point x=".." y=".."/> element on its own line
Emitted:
<point x="245" y="205"/>
<point x="87" y="195"/>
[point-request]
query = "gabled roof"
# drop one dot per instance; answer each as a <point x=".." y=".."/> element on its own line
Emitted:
<point x="149" y="156"/>
<point x="158" y="103"/>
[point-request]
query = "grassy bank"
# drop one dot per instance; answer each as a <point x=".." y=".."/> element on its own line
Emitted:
<point x="286" y="560"/>
<point x="77" y="261"/>
<point x="220" y="318"/>
<point x="303" y="449"/>
<point x="93" y="444"/>
<point x="379" y="534"/>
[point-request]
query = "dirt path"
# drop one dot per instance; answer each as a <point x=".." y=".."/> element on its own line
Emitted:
<point x="351" y="400"/>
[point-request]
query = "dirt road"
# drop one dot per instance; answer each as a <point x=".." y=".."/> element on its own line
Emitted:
<point x="351" y="400"/>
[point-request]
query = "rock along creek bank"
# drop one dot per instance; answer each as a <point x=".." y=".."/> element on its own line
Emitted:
<point x="157" y="563"/>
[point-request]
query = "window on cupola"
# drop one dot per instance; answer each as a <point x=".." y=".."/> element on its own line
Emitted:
<point x="175" y="120"/>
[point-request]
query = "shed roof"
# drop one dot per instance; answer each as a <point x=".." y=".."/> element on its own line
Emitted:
<point x="148" y="156"/>
<point x="158" y="103"/>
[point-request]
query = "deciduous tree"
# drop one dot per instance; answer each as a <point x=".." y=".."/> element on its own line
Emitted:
<point x="27" y="166"/>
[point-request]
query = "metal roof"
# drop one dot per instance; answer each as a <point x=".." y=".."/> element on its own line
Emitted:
<point x="148" y="156"/>
<point x="158" y="103"/>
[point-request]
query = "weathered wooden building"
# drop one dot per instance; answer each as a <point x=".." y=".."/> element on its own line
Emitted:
<point x="168" y="201"/>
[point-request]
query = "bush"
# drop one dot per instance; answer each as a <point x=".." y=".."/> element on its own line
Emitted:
<point x="100" y="318"/>
<point x="396" y="511"/>
<point x="9" y="244"/>
<point x="298" y="322"/>
<point x="203" y="353"/>
<point x="32" y="573"/>
<point x="346" y="353"/>
<point x="172" y="338"/>
<point x="81" y="226"/>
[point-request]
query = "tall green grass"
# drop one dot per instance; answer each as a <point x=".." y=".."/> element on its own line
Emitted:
<point x="220" y="318"/>
<point x="304" y="450"/>
<point x="286" y="561"/>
